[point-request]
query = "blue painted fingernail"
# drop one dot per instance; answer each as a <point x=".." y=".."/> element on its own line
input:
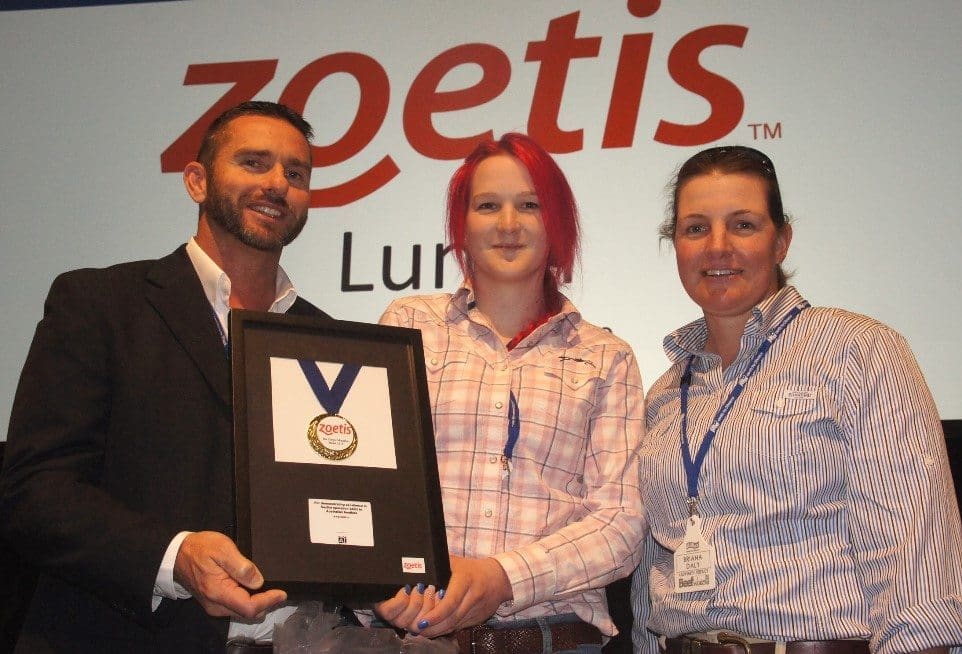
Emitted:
<point x="407" y="589"/>
<point x="423" y="624"/>
<point x="441" y="594"/>
<point x="421" y="588"/>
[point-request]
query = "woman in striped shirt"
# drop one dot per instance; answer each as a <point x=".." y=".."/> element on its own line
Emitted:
<point x="794" y="471"/>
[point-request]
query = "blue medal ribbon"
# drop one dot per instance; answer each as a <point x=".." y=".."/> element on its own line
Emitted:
<point x="693" y="466"/>
<point x="333" y="396"/>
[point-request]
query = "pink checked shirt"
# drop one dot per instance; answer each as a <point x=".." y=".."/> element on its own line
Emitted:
<point x="564" y="519"/>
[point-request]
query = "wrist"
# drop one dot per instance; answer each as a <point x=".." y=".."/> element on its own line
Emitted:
<point x="504" y="591"/>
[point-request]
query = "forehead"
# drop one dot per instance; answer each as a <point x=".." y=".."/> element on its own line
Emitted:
<point x="735" y="191"/>
<point x="264" y="133"/>
<point x="501" y="173"/>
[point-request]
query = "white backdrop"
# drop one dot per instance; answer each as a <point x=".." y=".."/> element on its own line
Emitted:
<point x="857" y="103"/>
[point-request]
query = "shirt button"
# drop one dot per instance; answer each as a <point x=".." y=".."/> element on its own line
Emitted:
<point x="492" y="459"/>
<point x="488" y="513"/>
<point x="574" y="380"/>
<point x="434" y="362"/>
<point x="779" y="403"/>
<point x="498" y="405"/>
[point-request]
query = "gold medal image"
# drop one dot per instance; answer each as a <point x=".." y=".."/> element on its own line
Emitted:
<point x="332" y="436"/>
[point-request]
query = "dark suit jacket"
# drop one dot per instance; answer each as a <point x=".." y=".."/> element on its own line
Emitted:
<point x="120" y="437"/>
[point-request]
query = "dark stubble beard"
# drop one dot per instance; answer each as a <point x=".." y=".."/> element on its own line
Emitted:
<point x="221" y="209"/>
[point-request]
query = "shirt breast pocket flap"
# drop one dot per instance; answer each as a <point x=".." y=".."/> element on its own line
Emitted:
<point x="785" y="400"/>
<point x="573" y="373"/>
<point x="434" y="361"/>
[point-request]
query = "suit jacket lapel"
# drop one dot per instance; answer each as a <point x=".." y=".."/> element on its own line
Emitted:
<point x="176" y="293"/>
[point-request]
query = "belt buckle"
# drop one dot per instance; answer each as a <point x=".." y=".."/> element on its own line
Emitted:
<point x="726" y="638"/>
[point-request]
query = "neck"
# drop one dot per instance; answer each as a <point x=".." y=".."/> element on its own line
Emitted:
<point x="510" y="307"/>
<point x="725" y="336"/>
<point x="252" y="272"/>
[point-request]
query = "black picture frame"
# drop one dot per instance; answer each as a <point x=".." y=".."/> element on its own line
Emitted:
<point x="278" y="500"/>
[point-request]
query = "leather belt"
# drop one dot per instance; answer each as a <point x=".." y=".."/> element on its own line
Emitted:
<point x="483" y="639"/>
<point x="731" y="644"/>
<point x="243" y="646"/>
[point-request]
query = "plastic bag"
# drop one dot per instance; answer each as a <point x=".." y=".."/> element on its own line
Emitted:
<point x="312" y="630"/>
<point x="308" y="625"/>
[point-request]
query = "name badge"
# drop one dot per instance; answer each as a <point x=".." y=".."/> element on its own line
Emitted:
<point x="694" y="560"/>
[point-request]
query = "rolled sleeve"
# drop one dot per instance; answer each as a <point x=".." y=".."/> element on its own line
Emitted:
<point x="904" y="519"/>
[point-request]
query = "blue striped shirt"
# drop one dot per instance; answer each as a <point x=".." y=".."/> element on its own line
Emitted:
<point x="827" y="492"/>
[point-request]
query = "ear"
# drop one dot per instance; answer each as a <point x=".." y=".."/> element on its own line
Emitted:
<point x="195" y="181"/>
<point x="782" y="242"/>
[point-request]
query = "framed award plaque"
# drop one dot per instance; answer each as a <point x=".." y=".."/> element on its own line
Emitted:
<point x="337" y="492"/>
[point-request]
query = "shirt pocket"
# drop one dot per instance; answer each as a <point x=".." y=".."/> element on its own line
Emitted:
<point x="796" y="447"/>
<point x="559" y="400"/>
<point x="777" y="420"/>
<point x="450" y="380"/>
<point x="570" y="381"/>
<point x="565" y="393"/>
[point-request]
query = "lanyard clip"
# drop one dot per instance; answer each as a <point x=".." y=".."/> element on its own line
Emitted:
<point x="692" y="504"/>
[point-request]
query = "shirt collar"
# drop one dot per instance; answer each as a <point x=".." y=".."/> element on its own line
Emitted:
<point x="690" y="340"/>
<point x="567" y="320"/>
<point x="216" y="285"/>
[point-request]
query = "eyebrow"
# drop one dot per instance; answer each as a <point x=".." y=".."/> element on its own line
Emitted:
<point x="290" y="163"/>
<point x="248" y="152"/>
<point x="739" y="212"/>
<point x="495" y="194"/>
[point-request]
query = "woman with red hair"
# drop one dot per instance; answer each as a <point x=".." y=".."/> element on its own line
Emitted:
<point x="538" y="415"/>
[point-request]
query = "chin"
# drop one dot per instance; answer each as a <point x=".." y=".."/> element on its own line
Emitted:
<point x="728" y="307"/>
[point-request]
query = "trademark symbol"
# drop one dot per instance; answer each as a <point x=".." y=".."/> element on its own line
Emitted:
<point x="766" y="131"/>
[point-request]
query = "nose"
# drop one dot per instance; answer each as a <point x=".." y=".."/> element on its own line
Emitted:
<point x="275" y="181"/>
<point x="719" y="241"/>
<point x="508" y="218"/>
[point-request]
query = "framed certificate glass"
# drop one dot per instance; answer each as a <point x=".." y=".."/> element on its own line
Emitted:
<point x="337" y="492"/>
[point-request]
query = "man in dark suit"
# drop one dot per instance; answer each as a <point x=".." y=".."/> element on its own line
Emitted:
<point x="117" y="482"/>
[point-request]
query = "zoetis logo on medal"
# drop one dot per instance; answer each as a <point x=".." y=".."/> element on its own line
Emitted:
<point x="332" y="436"/>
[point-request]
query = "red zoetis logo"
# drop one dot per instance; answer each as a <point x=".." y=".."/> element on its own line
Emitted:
<point x="553" y="54"/>
<point x="413" y="564"/>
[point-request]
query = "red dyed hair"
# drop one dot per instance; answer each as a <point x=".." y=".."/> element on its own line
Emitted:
<point x="559" y="213"/>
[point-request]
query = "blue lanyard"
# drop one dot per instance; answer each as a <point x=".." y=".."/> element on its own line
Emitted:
<point x="220" y="330"/>
<point x="693" y="467"/>
<point x="514" y="430"/>
<point x="330" y="397"/>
